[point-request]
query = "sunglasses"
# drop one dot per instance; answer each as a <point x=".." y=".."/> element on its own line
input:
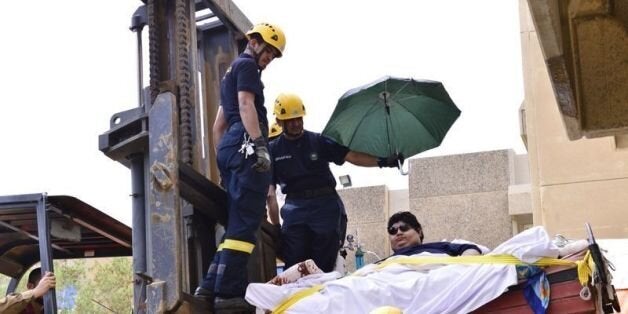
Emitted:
<point x="393" y="230"/>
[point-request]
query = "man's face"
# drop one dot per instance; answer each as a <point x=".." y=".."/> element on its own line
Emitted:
<point x="267" y="55"/>
<point x="403" y="235"/>
<point x="292" y="127"/>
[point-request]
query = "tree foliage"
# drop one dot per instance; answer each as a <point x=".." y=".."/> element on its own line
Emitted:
<point x="89" y="286"/>
<point x="101" y="286"/>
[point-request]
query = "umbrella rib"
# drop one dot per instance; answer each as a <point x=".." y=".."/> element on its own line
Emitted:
<point x="389" y="119"/>
<point x="389" y="133"/>
<point x="399" y="90"/>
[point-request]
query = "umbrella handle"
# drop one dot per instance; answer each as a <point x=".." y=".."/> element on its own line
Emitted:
<point x="400" y="166"/>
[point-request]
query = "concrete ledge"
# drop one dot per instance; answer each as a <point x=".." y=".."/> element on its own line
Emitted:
<point x="461" y="174"/>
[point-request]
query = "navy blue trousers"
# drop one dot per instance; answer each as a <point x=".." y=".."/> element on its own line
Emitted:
<point x="246" y="199"/>
<point x="312" y="229"/>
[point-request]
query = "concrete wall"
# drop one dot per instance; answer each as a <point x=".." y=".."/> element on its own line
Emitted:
<point x="572" y="182"/>
<point x="463" y="196"/>
<point x="367" y="210"/>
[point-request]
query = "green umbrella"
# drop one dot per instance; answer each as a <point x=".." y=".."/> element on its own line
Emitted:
<point x="393" y="115"/>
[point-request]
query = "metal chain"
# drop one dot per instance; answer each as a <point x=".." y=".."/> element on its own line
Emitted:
<point x="184" y="79"/>
<point x="153" y="50"/>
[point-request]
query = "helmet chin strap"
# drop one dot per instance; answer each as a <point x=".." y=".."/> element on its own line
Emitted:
<point x="258" y="52"/>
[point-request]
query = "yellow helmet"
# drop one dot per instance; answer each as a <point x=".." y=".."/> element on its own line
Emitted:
<point x="288" y="106"/>
<point x="271" y="34"/>
<point x="275" y="130"/>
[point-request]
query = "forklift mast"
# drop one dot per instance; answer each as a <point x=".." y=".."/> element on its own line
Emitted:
<point x="167" y="144"/>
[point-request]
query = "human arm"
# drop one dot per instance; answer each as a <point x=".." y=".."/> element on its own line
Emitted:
<point x="248" y="114"/>
<point x="338" y="154"/>
<point x="273" y="206"/>
<point x="366" y="160"/>
<point x="16" y="302"/>
<point x="459" y="249"/>
<point x="47" y="282"/>
<point x="361" y="159"/>
<point x="471" y="252"/>
<point x="219" y="128"/>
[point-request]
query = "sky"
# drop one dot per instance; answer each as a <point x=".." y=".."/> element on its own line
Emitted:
<point x="68" y="66"/>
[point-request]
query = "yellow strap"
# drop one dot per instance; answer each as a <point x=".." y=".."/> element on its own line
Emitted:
<point x="220" y="247"/>
<point x="584" y="266"/>
<point x="291" y="300"/>
<point x="238" y="245"/>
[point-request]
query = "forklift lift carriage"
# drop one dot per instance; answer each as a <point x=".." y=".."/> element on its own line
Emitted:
<point x="166" y="143"/>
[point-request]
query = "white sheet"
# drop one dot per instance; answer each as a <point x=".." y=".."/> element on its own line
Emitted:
<point x="416" y="289"/>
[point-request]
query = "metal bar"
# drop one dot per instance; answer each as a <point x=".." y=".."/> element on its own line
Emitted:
<point x="138" y="21"/>
<point x="32" y="236"/>
<point x="230" y="15"/>
<point x="12" y="285"/>
<point x="140" y="69"/>
<point x="163" y="216"/>
<point x="17" y="199"/>
<point x="92" y="227"/>
<point x="139" y="229"/>
<point x="205" y="17"/>
<point x="45" y="252"/>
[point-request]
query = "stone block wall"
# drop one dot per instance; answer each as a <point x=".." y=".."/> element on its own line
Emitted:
<point x="367" y="210"/>
<point x="463" y="196"/>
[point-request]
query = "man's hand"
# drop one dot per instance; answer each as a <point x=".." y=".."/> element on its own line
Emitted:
<point x="263" y="157"/>
<point x="391" y="161"/>
<point x="47" y="282"/>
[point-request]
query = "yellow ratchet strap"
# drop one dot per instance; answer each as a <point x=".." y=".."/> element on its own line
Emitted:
<point x="291" y="300"/>
<point x="238" y="245"/>
<point x="584" y="266"/>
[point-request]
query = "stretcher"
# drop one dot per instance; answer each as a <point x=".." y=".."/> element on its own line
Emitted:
<point x="494" y="283"/>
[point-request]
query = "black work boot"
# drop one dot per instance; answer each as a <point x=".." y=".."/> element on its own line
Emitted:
<point x="232" y="306"/>
<point x="204" y="294"/>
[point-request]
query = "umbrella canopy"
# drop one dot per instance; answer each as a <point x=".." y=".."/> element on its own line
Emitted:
<point x="393" y="115"/>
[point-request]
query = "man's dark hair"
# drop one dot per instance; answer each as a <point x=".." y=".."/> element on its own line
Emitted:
<point x="257" y="37"/>
<point x="34" y="276"/>
<point x="409" y="219"/>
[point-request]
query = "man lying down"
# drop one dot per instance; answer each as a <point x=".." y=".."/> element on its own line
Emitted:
<point x="402" y="281"/>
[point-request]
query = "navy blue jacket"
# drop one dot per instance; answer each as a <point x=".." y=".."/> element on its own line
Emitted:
<point x="453" y="249"/>
<point x="243" y="75"/>
<point x="303" y="164"/>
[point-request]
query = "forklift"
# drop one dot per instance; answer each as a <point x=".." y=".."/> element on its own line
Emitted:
<point x="177" y="204"/>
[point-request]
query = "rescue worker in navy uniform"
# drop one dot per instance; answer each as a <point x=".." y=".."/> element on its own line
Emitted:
<point x="313" y="212"/>
<point x="241" y="131"/>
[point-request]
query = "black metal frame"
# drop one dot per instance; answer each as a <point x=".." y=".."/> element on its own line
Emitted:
<point x="23" y="218"/>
